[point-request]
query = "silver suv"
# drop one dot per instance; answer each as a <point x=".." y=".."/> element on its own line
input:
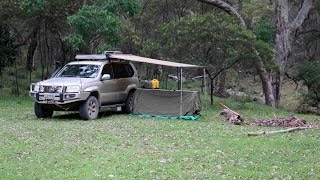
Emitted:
<point x="87" y="87"/>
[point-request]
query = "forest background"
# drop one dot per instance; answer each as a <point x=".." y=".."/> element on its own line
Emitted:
<point x="268" y="41"/>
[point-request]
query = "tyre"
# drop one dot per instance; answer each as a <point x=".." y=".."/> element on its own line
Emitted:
<point x="89" y="109"/>
<point x="42" y="111"/>
<point x="129" y="103"/>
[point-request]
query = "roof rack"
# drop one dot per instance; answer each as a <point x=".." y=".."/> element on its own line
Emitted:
<point x="104" y="56"/>
<point x="91" y="57"/>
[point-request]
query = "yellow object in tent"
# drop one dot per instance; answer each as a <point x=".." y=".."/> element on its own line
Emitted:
<point x="155" y="84"/>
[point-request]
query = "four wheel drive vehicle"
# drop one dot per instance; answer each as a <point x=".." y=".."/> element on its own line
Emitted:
<point x="87" y="87"/>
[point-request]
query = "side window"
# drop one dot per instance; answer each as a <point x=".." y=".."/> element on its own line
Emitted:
<point x="122" y="70"/>
<point x="129" y="70"/>
<point x="107" y="69"/>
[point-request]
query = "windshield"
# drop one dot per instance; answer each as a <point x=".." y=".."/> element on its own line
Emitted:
<point x="79" y="70"/>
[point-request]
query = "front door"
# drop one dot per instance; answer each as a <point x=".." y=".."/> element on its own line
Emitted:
<point x="108" y="90"/>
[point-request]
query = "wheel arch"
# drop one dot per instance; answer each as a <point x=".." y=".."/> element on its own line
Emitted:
<point x="95" y="94"/>
<point x="131" y="88"/>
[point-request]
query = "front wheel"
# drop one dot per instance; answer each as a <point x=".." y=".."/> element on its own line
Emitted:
<point x="42" y="111"/>
<point x="89" y="109"/>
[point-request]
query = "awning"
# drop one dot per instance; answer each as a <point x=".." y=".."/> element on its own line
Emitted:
<point x="134" y="58"/>
<point x="130" y="57"/>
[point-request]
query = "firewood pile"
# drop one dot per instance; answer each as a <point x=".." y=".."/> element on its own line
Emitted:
<point x="290" y="121"/>
<point x="231" y="116"/>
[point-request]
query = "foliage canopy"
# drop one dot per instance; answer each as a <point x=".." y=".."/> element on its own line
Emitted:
<point x="213" y="38"/>
<point x="98" y="24"/>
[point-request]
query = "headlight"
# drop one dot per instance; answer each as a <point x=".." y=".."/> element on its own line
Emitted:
<point x="73" y="89"/>
<point x="36" y="88"/>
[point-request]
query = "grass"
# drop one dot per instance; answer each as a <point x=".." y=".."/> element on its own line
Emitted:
<point x="118" y="146"/>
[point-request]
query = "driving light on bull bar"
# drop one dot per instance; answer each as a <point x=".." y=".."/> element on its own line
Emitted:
<point x="72" y="89"/>
<point x="69" y="96"/>
<point x="59" y="89"/>
<point x="41" y="89"/>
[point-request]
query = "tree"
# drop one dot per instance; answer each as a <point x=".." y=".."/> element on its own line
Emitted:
<point x="7" y="50"/>
<point x="285" y="37"/>
<point x="286" y="30"/>
<point x="97" y="25"/>
<point x="259" y="63"/>
<point x="212" y="39"/>
<point x="40" y="25"/>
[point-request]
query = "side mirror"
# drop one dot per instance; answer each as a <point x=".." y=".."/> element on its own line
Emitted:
<point x="105" y="77"/>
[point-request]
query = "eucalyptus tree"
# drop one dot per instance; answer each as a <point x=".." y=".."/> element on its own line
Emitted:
<point x="288" y="22"/>
<point x="213" y="40"/>
<point x="285" y="36"/>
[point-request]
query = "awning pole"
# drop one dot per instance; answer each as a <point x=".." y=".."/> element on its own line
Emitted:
<point x="180" y="91"/>
<point x="178" y="78"/>
<point x="205" y="86"/>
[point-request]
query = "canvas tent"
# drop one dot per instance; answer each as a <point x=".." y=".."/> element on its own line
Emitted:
<point x="158" y="102"/>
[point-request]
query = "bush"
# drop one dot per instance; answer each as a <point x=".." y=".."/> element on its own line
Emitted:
<point x="309" y="73"/>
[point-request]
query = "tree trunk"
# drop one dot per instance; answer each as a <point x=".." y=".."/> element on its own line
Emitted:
<point x="225" y="7"/>
<point x="240" y="6"/>
<point x="41" y="52"/>
<point x="16" y="79"/>
<point x="31" y="49"/>
<point x="221" y="85"/>
<point x="1" y="78"/>
<point x="48" y="57"/>
<point x="266" y="83"/>
<point x="284" y="39"/>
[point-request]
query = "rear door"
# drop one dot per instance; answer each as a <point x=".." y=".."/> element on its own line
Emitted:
<point x="123" y="72"/>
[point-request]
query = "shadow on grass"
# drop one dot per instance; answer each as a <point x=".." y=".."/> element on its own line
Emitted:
<point x="75" y="116"/>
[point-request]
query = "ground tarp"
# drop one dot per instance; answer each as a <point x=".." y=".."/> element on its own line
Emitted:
<point x="157" y="102"/>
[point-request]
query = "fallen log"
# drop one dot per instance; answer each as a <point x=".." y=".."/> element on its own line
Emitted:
<point x="232" y="116"/>
<point x="278" y="131"/>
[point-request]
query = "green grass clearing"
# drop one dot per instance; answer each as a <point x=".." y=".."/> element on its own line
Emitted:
<point x="124" y="147"/>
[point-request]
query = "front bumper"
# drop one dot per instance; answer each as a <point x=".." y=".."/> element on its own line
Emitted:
<point x="58" y="98"/>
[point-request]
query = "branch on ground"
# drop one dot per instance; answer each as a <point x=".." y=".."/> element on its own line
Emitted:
<point x="259" y="133"/>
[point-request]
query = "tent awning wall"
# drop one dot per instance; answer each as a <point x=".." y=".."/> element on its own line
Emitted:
<point x="157" y="102"/>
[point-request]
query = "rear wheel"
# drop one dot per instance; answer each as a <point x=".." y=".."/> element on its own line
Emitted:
<point x="42" y="111"/>
<point x="89" y="109"/>
<point x="129" y="103"/>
